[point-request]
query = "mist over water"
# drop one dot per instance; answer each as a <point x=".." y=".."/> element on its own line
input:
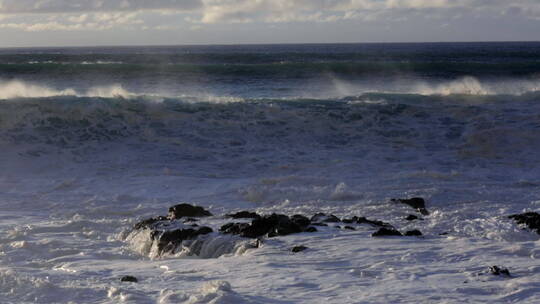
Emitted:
<point x="94" y="139"/>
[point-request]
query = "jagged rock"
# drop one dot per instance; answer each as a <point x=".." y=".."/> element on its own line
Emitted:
<point x="148" y="223"/>
<point x="169" y="240"/>
<point x="417" y="203"/>
<point x="311" y="229"/>
<point x="234" y="228"/>
<point x="412" y="217"/>
<point x="496" y="270"/>
<point x="271" y="225"/>
<point x="321" y="217"/>
<point x="300" y="220"/>
<point x="244" y="214"/>
<point x="530" y="219"/>
<point x="129" y="278"/>
<point x="363" y="220"/>
<point x="413" y="233"/>
<point x="298" y="248"/>
<point x="187" y="210"/>
<point x="386" y="232"/>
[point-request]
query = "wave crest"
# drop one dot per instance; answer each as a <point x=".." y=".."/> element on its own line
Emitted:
<point x="19" y="89"/>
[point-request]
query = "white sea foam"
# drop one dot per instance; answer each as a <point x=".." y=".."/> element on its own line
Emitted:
<point x="20" y="89"/>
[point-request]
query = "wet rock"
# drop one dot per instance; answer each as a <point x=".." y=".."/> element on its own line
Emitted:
<point x="129" y="278"/>
<point x="417" y="203"/>
<point x="496" y="270"/>
<point x="187" y="210"/>
<point x="149" y="223"/>
<point x="311" y="229"/>
<point x="271" y="225"/>
<point x="386" y="232"/>
<point x="234" y="228"/>
<point x="321" y="217"/>
<point x="244" y="214"/>
<point x="349" y="228"/>
<point x="363" y="220"/>
<point x="412" y="217"/>
<point x="529" y="219"/>
<point x="413" y="233"/>
<point x="168" y="241"/>
<point x="298" y="248"/>
<point x="300" y="220"/>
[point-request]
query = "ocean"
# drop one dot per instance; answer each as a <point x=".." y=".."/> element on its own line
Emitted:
<point x="95" y="139"/>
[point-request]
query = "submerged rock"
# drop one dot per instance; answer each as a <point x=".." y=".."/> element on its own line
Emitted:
<point x="298" y="248"/>
<point x="363" y="220"/>
<point x="496" y="270"/>
<point x="244" y="214"/>
<point x="412" y="217"/>
<point x="323" y="218"/>
<point x="417" y="203"/>
<point x="386" y="232"/>
<point x="129" y="278"/>
<point x="530" y="219"/>
<point x="413" y="233"/>
<point x="187" y="210"/>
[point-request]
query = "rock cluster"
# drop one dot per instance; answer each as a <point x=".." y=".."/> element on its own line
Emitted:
<point x="168" y="233"/>
<point x="529" y="219"/>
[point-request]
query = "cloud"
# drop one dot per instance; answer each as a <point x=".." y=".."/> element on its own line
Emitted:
<point x="84" y="6"/>
<point x="107" y="14"/>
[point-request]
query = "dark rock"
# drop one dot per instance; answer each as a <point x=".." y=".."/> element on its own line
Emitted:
<point x="129" y="278"/>
<point x="271" y="225"/>
<point x="496" y="270"/>
<point x="412" y="217"/>
<point x="300" y="220"/>
<point x="321" y="217"/>
<point x="244" y="214"/>
<point x="529" y="219"/>
<point x="443" y="233"/>
<point x="187" y="210"/>
<point x="311" y="229"/>
<point x="386" y="232"/>
<point x="349" y="228"/>
<point x="234" y="228"/>
<point x="319" y="224"/>
<point x="363" y="220"/>
<point x="298" y="248"/>
<point x="417" y="203"/>
<point x="169" y="240"/>
<point x="413" y="233"/>
<point x="149" y="223"/>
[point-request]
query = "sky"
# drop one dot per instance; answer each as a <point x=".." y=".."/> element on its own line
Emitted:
<point x="170" y="22"/>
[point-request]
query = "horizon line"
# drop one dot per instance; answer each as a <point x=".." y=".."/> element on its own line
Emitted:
<point x="263" y="44"/>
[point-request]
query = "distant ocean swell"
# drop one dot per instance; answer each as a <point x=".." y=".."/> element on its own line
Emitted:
<point x="288" y="69"/>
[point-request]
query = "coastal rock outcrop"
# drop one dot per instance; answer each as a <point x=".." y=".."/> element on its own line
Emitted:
<point x="529" y="219"/>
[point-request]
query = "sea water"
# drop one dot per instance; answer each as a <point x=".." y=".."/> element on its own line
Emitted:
<point x="94" y="139"/>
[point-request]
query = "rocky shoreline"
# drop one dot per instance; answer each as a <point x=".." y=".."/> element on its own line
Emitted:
<point x="179" y="231"/>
